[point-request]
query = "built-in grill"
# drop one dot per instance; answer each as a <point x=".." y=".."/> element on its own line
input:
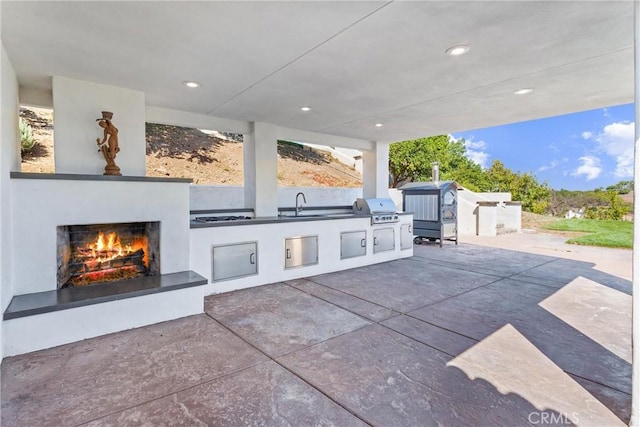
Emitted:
<point x="381" y="210"/>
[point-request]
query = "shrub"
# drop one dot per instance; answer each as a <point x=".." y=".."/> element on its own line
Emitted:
<point x="26" y="137"/>
<point x="615" y="211"/>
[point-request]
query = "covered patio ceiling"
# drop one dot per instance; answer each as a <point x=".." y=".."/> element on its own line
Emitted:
<point x="354" y="63"/>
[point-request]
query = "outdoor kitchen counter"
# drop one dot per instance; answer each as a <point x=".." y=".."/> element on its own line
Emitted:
<point x="281" y="219"/>
<point x="262" y="246"/>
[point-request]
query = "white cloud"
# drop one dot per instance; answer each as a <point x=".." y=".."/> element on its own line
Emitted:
<point x="479" y="157"/>
<point x="474" y="145"/>
<point x="554" y="148"/>
<point x="475" y="151"/>
<point x="616" y="140"/>
<point x="551" y="165"/>
<point x="590" y="168"/>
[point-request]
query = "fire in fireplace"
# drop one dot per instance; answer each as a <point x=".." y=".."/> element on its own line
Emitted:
<point x="98" y="253"/>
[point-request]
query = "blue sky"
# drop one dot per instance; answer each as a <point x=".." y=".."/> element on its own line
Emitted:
<point x="580" y="151"/>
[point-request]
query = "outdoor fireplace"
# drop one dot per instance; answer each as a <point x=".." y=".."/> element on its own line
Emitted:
<point x="101" y="253"/>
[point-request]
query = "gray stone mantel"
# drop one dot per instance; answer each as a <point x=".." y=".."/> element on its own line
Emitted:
<point x="87" y="177"/>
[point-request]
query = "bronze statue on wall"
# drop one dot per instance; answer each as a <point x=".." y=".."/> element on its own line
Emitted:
<point x="109" y="144"/>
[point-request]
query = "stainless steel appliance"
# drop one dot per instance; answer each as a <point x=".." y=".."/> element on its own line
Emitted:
<point x="381" y="210"/>
<point x="435" y="210"/>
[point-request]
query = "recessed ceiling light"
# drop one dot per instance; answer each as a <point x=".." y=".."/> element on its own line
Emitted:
<point x="192" y="84"/>
<point x="305" y="108"/>
<point x="523" y="91"/>
<point x="379" y="125"/>
<point x="457" y="50"/>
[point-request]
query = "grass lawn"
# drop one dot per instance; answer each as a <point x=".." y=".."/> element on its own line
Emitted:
<point x="611" y="234"/>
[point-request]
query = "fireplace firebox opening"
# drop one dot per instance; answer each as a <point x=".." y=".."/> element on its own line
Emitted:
<point x="101" y="253"/>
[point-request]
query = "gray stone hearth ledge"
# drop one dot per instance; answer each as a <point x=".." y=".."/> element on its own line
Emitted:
<point x="62" y="299"/>
<point x="87" y="177"/>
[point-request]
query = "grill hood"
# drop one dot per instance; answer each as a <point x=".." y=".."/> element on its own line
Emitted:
<point x="373" y="206"/>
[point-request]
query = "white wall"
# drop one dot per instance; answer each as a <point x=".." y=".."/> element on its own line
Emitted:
<point x="9" y="161"/>
<point x="35" y="97"/>
<point x="468" y="209"/>
<point x="510" y="216"/>
<point x="203" y="197"/>
<point x="215" y="197"/>
<point x="396" y="196"/>
<point x="77" y="104"/>
<point x="467" y="216"/>
<point x="40" y="205"/>
<point x="318" y="196"/>
<point x="492" y="197"/>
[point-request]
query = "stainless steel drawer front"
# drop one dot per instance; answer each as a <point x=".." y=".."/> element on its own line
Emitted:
<point x="353" y="244"/>
<point x="234" y="260"/>
<point x="300" y="251"/>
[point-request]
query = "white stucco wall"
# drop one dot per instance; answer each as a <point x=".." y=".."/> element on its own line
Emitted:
<point x="9" y="161"/>
<point x="318" y="196"/>
<point x="493" y="197"/>
<point x="77" y="105"/>
<point x="468" y="210"/>
<point x="215" y="197"/>
<point x="203" y="197"/>
<point x="40" y="205"/>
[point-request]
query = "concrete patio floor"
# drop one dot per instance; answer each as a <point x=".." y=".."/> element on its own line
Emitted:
<point x="455" y="336"/>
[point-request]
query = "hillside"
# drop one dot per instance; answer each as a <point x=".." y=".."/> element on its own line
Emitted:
<point x="190" y="153"/>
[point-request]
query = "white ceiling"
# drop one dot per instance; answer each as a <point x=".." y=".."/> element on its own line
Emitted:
<point x="355" y="63"/>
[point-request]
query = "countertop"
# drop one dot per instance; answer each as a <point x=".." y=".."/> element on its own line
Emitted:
<point x="282" y="219"/>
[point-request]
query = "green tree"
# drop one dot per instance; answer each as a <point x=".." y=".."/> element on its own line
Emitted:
<point x="623" y="187"/>
<point x="413" y="160"/>
<point x="615" y="210"/>
<point x="563" y="200"/>
<point x="535" y="196"/>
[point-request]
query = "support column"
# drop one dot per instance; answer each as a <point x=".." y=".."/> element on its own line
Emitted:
<point x="261" y="169"/>
<point x="635" y="320"/>
<point x="375" y="171"/>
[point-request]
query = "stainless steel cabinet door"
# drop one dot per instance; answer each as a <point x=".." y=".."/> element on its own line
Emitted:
<point x="234" y="260"/>
<point x="353" y="244"/>
<point x="406" y="236"/>
<point x="384" y="239"/>
<point x="299" y="251"/>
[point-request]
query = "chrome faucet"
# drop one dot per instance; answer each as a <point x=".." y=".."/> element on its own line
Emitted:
<point x="299" y="207"/>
